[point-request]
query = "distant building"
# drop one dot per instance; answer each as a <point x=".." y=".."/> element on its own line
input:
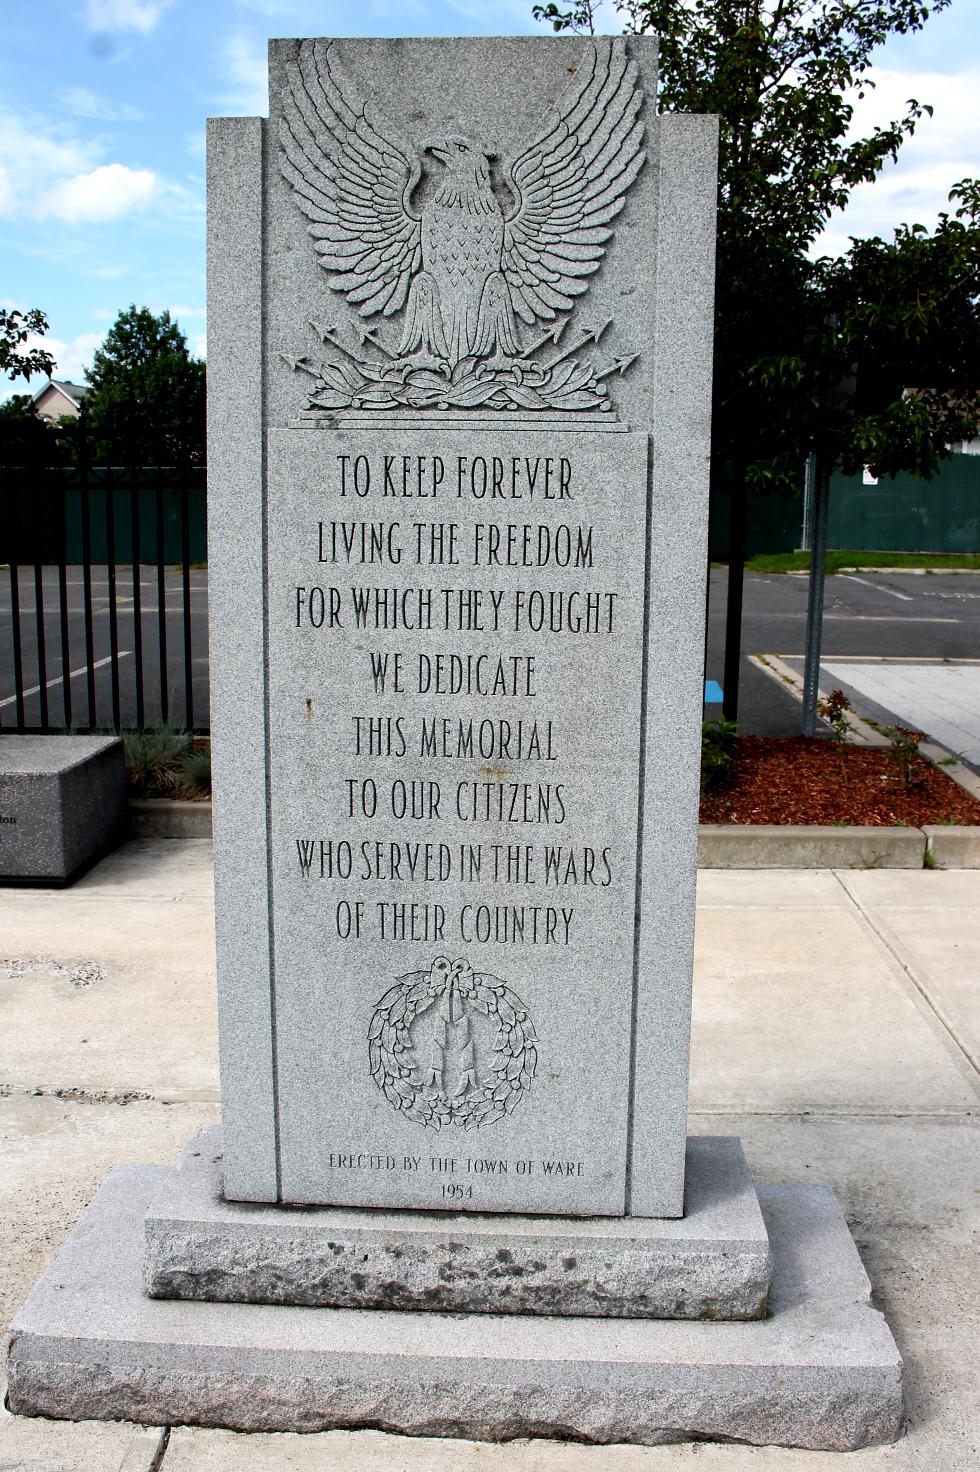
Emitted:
<point x="59" y="399"/>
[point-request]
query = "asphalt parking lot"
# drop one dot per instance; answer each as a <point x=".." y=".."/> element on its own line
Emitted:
<point x="161" y="677"/>
<point x="867" y="615"/>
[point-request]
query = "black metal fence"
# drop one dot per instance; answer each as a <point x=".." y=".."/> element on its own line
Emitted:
<point x="103" y="605"/>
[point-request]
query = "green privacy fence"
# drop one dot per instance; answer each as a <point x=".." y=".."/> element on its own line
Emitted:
<point x="49" y="515"/>
<point x="901" y="515"/>
<point x="772" y="525"/>
<point x="150" y="513"/>
<point x="907" y="514"/>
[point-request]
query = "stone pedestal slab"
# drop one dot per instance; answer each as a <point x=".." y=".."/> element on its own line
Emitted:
<point x="62" y="805"/>
<point x="822" y="1371"/>
<point x="713" y="1263"/>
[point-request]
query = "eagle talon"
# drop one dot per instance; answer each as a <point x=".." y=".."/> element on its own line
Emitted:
<point x="422" y="363"/>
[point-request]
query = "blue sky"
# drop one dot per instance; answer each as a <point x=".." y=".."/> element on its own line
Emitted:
<point x="102" y="109"/>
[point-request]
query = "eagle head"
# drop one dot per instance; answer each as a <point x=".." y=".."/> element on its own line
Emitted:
<point x="461" y="156"/>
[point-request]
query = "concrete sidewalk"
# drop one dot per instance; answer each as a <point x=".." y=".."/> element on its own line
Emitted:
<point x="836" y="1029"/>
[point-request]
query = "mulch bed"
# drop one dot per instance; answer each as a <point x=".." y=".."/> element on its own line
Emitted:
<point x="803" y="779"/>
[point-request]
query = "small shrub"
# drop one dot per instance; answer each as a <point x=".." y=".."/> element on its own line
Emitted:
<point x="834" y="711"/>
<point x="905" y="751"/>
<point x="719" y="754"/>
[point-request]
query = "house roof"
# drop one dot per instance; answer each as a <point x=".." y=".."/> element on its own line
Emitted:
<point x="74" y="392"/>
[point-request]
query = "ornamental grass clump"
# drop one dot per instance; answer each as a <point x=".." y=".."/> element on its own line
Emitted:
<point x="166" y="762"/>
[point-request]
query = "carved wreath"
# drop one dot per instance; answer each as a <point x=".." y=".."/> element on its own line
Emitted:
<point x="465" y="266"/>
<point x="419" y="1091"/>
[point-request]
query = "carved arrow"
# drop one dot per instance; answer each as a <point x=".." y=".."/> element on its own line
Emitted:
<point x="301" y="365"/>
<point x="551" y="335"/>
<point x="330" y="335"/>
<point x="368" y="334"/>
<point x="586" y="334"/>
<point x="618" y="365"/>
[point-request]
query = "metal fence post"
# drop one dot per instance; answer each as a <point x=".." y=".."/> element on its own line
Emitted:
<point x="814" y="607"/>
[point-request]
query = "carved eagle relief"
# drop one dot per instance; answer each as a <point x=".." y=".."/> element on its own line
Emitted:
<point x="464" y="267"/>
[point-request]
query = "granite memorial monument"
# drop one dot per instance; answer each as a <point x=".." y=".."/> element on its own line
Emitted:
<point x="460" y="328"/>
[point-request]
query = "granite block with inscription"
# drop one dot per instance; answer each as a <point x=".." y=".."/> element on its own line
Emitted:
<point x="457" y="560"/>
<point x="62" y="805"/>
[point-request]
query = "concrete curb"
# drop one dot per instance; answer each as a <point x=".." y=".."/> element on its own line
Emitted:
<point x="158" y="817"/>
<point x="788" y="846"/>
<point x="950" y="847"/>
<point x="720" y="845"/>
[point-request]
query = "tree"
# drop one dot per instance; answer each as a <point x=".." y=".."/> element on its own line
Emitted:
<point x="26" y="440"/>
<point x="778" y="73"/>
<point x="790" y="330"/>
<point x="904" y="322"/>
<point x="146" y="400"/>
<point x="15" y="328"/>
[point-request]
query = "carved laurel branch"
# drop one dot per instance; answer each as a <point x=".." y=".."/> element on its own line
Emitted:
<point x="395" y="1066"/>
<point x="470" y="385"/>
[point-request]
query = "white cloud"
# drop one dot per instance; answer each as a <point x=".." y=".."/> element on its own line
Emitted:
<point x="104" y="193"/>
<point x="245" y="66"/>
<point x="85" y="104"/>
<point x="125" y="15"/>
<point x="187" y="311"/>
<point x="944" y="149"/>
<point x="33" y="156"/>
<point x="71" y="356"/>
<point x="200" y="348"/>
<point x="47" y="172"/>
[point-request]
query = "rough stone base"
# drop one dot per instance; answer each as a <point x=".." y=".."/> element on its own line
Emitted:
<point x="821" y="1372"/>
<point x="714" y="1263"/>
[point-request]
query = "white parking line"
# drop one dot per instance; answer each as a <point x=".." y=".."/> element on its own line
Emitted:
<point x="11" y="699"/>
<point x="852" y="578"/>
<point x="886" y="618"/>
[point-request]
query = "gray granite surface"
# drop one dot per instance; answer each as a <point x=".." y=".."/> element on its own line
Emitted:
<point x="714" y="1263"/>
<point x="677" y="550"/>
<point x="236" y="611"/>
<point x="62" y="804"/>
<point x="822" y="1371"/>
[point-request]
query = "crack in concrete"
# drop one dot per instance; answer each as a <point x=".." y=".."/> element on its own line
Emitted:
<point x="76" y="1095"/>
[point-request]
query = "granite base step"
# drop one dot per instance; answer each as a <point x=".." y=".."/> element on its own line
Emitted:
<point x="822" y="1371"/>
<point x="713" y="1263"/>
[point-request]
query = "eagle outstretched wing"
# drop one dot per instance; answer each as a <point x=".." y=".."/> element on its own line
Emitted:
<point x="570" y="181"/>
<point x="353" y="184"/>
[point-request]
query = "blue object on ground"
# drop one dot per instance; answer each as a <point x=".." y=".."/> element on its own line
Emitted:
<point x="713" y="693"/>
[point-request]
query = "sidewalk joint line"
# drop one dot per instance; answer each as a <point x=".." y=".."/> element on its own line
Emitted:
<point x="940" y="1116"/>
<point x="156" y="1461"/>
<point x="906" y="969"/>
